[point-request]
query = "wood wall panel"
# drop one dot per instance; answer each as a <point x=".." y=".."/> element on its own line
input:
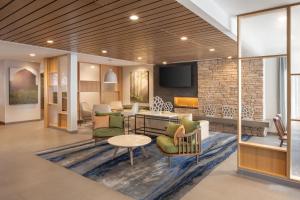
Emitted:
<point x="267" y="160"/>
<point x="89" y="86"/>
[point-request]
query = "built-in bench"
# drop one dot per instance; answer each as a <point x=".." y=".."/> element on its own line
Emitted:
<point x="251" y="127"/>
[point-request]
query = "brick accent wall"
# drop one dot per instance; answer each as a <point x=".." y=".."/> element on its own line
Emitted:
<point x="217" y="84"/>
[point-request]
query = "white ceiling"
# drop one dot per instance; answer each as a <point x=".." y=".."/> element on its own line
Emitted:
<point x="236" y="7"/>
<point x="17" y="51"/>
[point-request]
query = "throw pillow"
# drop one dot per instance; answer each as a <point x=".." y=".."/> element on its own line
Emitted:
<point x="116" y="121"/>
<point x="111" y="113"/>
<point x="101" y="121"/>
<point x="190" y="125"/>
<point x="179" y="133"/>
<point x="171" y="128"/>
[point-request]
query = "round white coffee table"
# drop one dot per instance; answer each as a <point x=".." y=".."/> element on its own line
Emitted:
<point x="130" y="142"/>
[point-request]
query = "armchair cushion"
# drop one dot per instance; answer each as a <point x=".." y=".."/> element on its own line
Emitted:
<point x="190" y="125"/>
<point x="116" y="121"/>
<point x="166" y="144"/>
<point x="178" y="133"/>
<point x="101" y="122"/>
<point x="108" y="132"/>
<point x="171" y="128"/>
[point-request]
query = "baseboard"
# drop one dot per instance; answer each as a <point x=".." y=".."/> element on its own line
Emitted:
<point x="2" y="123"/>
<point x="281" y="181"/>
<point x="18" y="122"/>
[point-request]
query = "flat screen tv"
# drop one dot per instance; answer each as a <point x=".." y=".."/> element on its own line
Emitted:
<point x="175" y="76"/>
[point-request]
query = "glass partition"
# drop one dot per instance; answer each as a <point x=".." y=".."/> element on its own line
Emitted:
<point x="263" y="92"/>
<point x="263" y="34"/>
<point x="295" y="93"/>
<point x="269" y="52"/>
<point x="263" y="97"/>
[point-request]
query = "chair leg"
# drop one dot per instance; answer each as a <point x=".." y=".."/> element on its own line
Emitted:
<point x="197" y="159"/>
<point x="170" y="164"/>
<point x="281" y="143"/>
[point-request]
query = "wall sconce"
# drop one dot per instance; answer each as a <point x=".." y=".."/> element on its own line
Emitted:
<point x="110" y="77"/>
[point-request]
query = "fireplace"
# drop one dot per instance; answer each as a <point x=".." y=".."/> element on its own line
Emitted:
<point x="186" y="102"/>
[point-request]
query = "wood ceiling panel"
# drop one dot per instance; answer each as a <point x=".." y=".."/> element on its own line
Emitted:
<point x="209" y="33"/>
<point x="26" y="11"/>
<point x="84" y="14"/>
<point x="207" y="41"/>
<point x="16" y="21"/>
<point x="14" y="7"/>
<point x="34" y="25"/>
<point x="88" y="26"/>
<point x="127" y="30"/>
<point x="5" y="3"/>
<point x="108" y="17"/>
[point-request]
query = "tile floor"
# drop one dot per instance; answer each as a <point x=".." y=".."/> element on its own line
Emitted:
<point x="25" y="176"/>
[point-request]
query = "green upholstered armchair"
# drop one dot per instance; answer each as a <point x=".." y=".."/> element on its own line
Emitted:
<point x="116" y="126"/>
<point x="188" y="144"/>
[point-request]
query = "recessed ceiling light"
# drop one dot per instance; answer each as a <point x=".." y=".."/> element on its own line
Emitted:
<point x="212" y="49"/>
<point x="134" y="17"/>
<point x="32" y="54"/>
<point x="164" y="62"/>
<point x="104" y="51"/>
<point x="229" y="57"/>
<point x="50" y="41"/>
<point x="183" y="38"/>
<point x="139" y="58"/>
<point x="92" y="66"/>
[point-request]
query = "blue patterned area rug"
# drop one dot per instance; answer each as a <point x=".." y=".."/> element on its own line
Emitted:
<point x="149" y="178"/>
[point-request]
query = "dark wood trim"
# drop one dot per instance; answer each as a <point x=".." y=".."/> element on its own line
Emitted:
<point x="268" y="9"/>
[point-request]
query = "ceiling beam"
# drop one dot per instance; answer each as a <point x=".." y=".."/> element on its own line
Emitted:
<point x="211" y="12"/>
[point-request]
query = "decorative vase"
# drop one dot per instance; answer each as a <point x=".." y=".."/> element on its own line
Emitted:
<point x="168" y="106"/>
<point x="157" y="105"/>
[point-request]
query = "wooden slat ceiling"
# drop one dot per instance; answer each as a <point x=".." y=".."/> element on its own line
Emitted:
<point x="88" y="26"/>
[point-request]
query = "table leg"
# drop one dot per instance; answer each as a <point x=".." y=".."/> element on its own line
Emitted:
<point x="115" y="153"/>
<point x="134" y="124"/>
<point x="144" y="124"/>
<point x="131" y="155"/>
<point x="144" y="152"/>
<point x="128" y="126"/>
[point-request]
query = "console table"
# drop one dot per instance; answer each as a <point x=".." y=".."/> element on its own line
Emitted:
<point x="164" y="116"/>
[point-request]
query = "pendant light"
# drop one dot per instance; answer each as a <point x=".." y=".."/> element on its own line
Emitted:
<point x="110" y="77"/>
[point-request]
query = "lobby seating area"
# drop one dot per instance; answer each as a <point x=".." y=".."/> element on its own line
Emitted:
<point x="149" y="100"/>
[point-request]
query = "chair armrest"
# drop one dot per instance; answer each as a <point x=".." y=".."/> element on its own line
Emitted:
<point x="197" y="131"/>
<point x="187" y="135"/>
<point x="93" y="124"/>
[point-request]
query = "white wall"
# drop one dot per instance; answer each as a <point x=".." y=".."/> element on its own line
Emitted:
<point x="271" y="91"/>
<point x="17" y="113"/>
<point x="126" y="81"/>
<point x="2" y="95"/>
<point x="72" y="91"/>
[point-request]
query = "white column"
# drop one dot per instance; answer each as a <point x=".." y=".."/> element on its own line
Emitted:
<point x="72" y="92"/>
